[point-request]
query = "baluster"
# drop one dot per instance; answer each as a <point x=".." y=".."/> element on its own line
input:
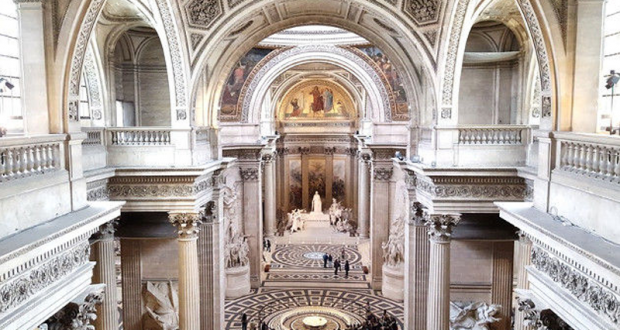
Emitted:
<point x="31" y="164"/>
<point x="616" y="157"/>
<point x="565" y="150"/>
<point x="611" y="154"/>
<point x="595" y="160"/>
<point x="51" y="162"/>
<point x="10" y="166"/>
<point x="468" y="136"/>
<point x="582" y="157"/>
<point x="19" y="157"/>
<point x="3" y="162"/>
<point x="588" y="161"/>
<point x="114" y="138"/>
<point x="500" y="137"/>
<point x="166" y="137"/>
<point x="602" y="163"/>
<point x="37" y="157"/>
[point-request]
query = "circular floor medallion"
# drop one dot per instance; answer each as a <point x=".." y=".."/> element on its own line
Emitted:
<point x="311" y="255"/>
<point x="314" y="255"/>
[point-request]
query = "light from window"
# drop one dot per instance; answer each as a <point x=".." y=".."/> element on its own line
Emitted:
<point x="10" y="103"/>
<point x="611" y="61"/>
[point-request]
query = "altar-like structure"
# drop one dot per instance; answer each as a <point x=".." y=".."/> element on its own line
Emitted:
<point x="316" y="219"/>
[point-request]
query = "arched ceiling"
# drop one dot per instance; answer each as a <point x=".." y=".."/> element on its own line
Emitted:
<point x="313" y="34"/>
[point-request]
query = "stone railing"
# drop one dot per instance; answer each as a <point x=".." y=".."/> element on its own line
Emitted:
<point x="590" y="155"/>
<point x="493" y="135"/>
<point x="22" y="157"/>
<point x="94" y="136"/>
<point x="139" y="136"/>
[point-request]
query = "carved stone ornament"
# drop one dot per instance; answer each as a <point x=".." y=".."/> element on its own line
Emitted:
<point x="249" y="174"/>
<point x="382" y="174"/>
<point x="602" y="300"/>
<point x="472" y="316"/>
<point x="106" y="231"/>
<point x="21" y="288"/>
<point x="422" y="11"/>
<point x="453" y="47"/>
<point x="394" y="248"/>
<point x="419" y="214"/>
<point x="175" y="52"/>
<point x="540" y="319"/>
<point x="203" y="13"/>
<point x="76" y="316"/>
<point x="73" y="111"/>
<point x="181" y="114"/>
<point x="440" y="226"/>
<point x="162" y="306"/>
<point x="473" y="188"/>
<point x="446" y="113"/>
<point x="187" y="224"/>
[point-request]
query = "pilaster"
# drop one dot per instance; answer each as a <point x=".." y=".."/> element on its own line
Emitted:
<point x="501" y="287"/>
<point x="131" y="274"/>
<point x="524" y="259"/>
<point x="102" y="252"/>
<point x="417" y="257"/>
<point x="252" y="218"/>
<point x="379" y="224"/>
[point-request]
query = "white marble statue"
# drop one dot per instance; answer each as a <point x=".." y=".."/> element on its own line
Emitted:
<point x="335" y="212"/>
<point x="296" y="221"/>
<point x="394" y="248"/>
<point x="472" y="316"/>
<point x="317" y="205"/>
<point x="162" y="306"/>
<point x="236" y="248"/>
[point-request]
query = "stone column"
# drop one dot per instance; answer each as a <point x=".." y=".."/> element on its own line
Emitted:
<point x="305" y="194"/>
<point x="252" y="219"/>
<point x="131" y="271"/>
<point x="270" y="195"/>
<point x="33" y="82"/>
<point x="363" y="195"/>
<point x="440" y="232"/>
<point x="380" y="220"/>
<point x="524" y="259"/>
<point x="501" y="287"/>
<point x="329" y="177"/>
<point x="189" y="288"/>
<point x="417" y="254"/>
<point x="102" y="252"/>
<point x="211" y="268"/>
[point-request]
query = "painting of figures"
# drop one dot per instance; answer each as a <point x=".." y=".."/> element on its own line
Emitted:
<point x="295" y="184"/>
<point x="338" y="182"/>
<point x="391" y="74"/>
<point x="317" y="100"/>
<point x="237" y="77"/>
<point x="316" y="177"/>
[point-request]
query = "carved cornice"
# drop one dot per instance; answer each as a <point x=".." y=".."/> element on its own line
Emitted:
<point x="20" y="288"/>
<point x="106" y="231"/>
<point x="97" y="191"/>
<point x="504" y="188"/>
<point x="419" y="214"/>
<point x="602" y="300"/>
<point x="159" y="186"/>
<point x="441" y="226"/>
<point x="382" y="174"/>
<point x="250" y="154"/>
<point x="187" y="224"/>
<point x="385" y="153"/>
<point x="249" y="174"/>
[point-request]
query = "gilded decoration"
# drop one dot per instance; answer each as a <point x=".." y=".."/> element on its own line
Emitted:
<point x="317" y="100"/>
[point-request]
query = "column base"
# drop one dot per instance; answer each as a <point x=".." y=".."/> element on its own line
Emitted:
<point x="237" y="281"/>
<point x="393" y="282"/>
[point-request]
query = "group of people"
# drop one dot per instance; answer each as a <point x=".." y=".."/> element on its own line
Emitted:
<point x="266" y="245"/>
<point x="337" y="264"/>
<point x="373" y="322"/>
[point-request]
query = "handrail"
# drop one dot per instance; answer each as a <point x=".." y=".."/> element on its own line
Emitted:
<point x="22" y="157"/>
<point x="591" y="155"/>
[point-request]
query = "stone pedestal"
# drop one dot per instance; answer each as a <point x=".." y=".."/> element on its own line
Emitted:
<point x="440" y="232"/>
<point x="102" y="252"/>
<point x="237" y="281"/>
<point x="189" y="287"/>
<point x="393" y="282"/>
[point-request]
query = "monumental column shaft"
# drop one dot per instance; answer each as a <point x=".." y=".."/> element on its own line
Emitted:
<point x="524" y="255"/>
<point x="270" y="196"/>
<point x="102" y="251"/>
<point x="417" y="256"/>
<point x="189" y="287"/>
<point x="440" y="232"/>
<point x="363" y="192"/>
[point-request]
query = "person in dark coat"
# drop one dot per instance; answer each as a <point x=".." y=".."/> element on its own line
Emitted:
<point x="346" y="269"/>
<point x="268" y="245"/>
<point x="325" y="257"/>
<point x="330" y="259"/>
<point x="336" y="266"/>
<point x="264" y="326"/>
<point x="244" y="322"/>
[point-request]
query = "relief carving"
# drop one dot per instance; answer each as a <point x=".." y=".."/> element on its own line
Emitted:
<point x="472" y="316"/>
<point x="162" y="306"/>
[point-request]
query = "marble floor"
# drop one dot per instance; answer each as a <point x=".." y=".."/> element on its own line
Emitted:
<point x="297" y="285"/>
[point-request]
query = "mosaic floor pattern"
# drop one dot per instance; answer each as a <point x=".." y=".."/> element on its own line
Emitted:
<point x="311" y="255"/>
<point x="275" y="304"/>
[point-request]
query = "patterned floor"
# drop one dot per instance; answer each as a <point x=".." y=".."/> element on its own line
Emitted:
<point x="268" y="303"/>
<point x="311" y="255"/>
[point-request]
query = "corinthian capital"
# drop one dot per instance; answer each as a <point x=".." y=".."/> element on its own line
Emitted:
<point x="441" y="226"/>
<point x="106" y="231"/>
<point x="187" y="224"/>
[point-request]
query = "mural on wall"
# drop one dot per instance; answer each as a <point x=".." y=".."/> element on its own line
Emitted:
<point x="237" y="77"/>
<point x="317" y="100"/>
<point x="393" y="78"/>
<point x="295" y="184"/>
<point x="338" y="183"/>
<point x="316" y="177"/>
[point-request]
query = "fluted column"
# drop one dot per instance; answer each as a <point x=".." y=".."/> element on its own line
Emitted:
<point x="131" y="274"/>
<point x="440" y="232"/>
<point x="270" y="195"/>
<point x="212" y="279"/>
<point x="524" y="253"/>
<point x="189" y="288"/>
<point x="501" y="287"/>
<point x="253" y="219"/>
<point x="102" y="252"/>
<point x="363" y="195"/>
<point x="417" y="256"/>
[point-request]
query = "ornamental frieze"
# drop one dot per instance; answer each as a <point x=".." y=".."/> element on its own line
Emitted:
<point x="382" y="174"/>
<point x="249" y="174"/>
<point x="601" y="299"/>
<point x="16" y="291"/>
<point x="474" y="188"/>
<point x="159" y="187"/>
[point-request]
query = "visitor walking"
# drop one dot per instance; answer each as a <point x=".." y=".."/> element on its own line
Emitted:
<point x="346" y="269"/>
<point x="244" y="322"/>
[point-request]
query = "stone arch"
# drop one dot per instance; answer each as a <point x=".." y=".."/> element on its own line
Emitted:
<point x="269" y="70"/>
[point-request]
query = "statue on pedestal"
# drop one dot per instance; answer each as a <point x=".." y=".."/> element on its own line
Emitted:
<point x="295" y="220"/>
<point x="317" y="205"/>
<point x="472" y="316"/>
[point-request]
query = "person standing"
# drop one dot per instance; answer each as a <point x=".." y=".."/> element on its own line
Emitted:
<point x="244" y="322"/>
<point x="268" y="246"/>
<point x="336" y="266"/>
<point x="325" y="257"/>
<point x="346" y="269"/>
<point x="330" y="259"/>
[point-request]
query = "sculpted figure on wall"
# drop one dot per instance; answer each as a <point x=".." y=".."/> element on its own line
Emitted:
<point x="162" y="306"/>
<point x="236" y="250"/>
<point x="472" y="316"/>
<point x="394" y="248"/>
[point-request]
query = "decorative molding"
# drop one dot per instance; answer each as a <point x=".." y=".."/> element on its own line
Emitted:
<point x="540" y="320"/>
<point x="250" y="154"/>
<point x="474" y="187"/>
<point x="91" y="75"/>
<point x="77" y="316"/>
<point x="602" y="300"/>
<point x="385" y="153"/>
<point x="234" y="3"/>
<point x="175" y="53"/>
<point x="97" y="190"/>
<point x="422" y="12"/>
<point x="203" y="13"/>
<point x="440" y="226"/>
<point x="187" y="224"/>
<point x="446" y="113"/>
<point x="419" y="214"/>
<point x="21" y="288"/>
<point x="106" y="231"/>
<point x="382" y="174"/>
<point x="453" y="48"/>
<point x="249" y="174"/>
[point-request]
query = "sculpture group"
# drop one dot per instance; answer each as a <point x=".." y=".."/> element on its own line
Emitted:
<point x="472" y="316"/>
<point x="340" y="218"/>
